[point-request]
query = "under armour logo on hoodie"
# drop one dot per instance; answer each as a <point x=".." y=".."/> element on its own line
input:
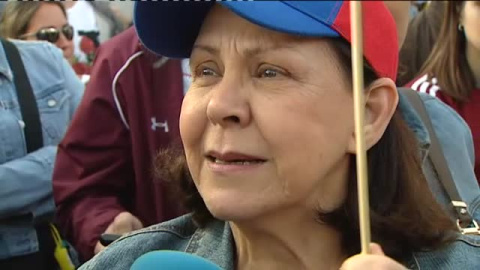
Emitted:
<point x="156" y="125"/>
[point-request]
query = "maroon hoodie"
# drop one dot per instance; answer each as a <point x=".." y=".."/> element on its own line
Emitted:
<point x="104" y="164"/>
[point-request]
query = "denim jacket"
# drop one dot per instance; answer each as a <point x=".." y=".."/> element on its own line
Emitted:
<point x="456" y="142"/>
<point x="215" y="241"/>
<point x="25" y="179"/>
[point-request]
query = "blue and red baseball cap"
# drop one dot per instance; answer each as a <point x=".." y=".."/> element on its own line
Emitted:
<point x="170" y="28"/>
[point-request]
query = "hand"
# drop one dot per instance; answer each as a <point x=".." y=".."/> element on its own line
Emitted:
<point x="121" y="224"/>
<point x="376" y="260"/>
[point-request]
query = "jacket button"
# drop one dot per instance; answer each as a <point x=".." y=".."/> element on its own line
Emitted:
<point x="52" y="103"/>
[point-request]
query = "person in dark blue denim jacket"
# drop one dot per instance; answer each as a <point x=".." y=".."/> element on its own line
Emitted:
<point x="269" y="149"/>
<point x="25" y="179"/>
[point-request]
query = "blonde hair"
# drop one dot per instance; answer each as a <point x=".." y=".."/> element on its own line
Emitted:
<point x="16" y="17"/>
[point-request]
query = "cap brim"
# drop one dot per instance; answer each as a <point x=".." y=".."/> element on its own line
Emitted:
<point x="171" y="28"/>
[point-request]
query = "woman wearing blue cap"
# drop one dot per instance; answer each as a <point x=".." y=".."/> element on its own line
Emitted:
<point x="267" y="165"/>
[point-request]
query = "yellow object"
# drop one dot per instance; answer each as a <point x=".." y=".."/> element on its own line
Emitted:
<point x="61" y="252"/>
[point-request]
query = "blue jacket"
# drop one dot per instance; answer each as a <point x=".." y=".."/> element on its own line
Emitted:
<point x="215" y="241"/>
<point x="25" y="179"/>
<point x="457" y="144"/>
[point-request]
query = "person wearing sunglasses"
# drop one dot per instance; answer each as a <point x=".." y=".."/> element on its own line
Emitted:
<point x="46" y="21"/>
<point x="51" y="34"/>
<point x="39" y="93"/>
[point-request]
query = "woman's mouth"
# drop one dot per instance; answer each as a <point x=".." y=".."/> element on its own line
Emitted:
<point x="232" y="161"/>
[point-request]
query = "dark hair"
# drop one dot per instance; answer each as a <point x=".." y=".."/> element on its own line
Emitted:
<point x="421" y="35"/>
<point x="16" y="16"/>
<point x="448" y="62"/>
<point x="404" y="214"/>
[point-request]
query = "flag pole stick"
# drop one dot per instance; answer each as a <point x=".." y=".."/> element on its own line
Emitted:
<point x="359" y="114"/>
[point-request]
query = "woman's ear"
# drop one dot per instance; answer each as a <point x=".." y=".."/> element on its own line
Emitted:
<point x="381" y="99"/>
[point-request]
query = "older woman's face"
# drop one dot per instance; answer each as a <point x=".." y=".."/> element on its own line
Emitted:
<point x="50" y="15"/>
<point x="266" y="122"/>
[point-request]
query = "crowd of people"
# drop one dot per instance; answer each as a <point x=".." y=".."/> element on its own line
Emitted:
<point x="226" y="130"/>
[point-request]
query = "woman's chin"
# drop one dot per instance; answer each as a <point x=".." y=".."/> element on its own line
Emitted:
<point x="233" y="209"/>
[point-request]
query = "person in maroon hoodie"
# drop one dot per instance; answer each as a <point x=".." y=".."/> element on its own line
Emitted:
<point x="103" y="181"/>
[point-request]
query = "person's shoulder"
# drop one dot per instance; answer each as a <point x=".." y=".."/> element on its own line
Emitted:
<point x="171" y="235"/>
<point x="118" y="53"/>
<point x="444" y="115"/>
<point x="40" y="51"/>
<point x="180" y="227"/>
<point x="44" y="64"/>
<point x="463" y="253"/>
<point x="436" y="104"/>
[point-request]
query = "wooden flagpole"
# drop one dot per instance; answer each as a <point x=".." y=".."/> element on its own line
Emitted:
<point x="359" y="114"/>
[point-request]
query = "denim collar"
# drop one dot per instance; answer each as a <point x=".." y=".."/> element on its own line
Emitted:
<point x="415" y="123"/>
<point x="4" y="66"/>
<point x="214" y="242"/>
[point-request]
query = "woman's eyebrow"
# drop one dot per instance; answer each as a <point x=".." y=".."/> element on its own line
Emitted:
<point x="248" y="52"/>
<point x="47" y="26"/>
<point x="207" y="48"/>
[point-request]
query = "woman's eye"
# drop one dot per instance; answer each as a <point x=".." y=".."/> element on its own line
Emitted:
<point x="269" y="73"/>
<point x="206" y="72"/>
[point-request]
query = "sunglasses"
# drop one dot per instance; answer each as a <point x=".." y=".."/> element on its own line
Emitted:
<point x="52" y="34"/>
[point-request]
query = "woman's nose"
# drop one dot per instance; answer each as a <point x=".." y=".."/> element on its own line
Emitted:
<point x="63" y="43"/>
<point x="229" y="106"/>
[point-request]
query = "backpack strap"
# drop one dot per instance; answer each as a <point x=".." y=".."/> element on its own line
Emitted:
<point x="465" y="222"/>
<point x="25" y="97"/>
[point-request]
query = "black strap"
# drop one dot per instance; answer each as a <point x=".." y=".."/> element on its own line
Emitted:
<point x="438" y="159"/>
<point x="26" y="98"/>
